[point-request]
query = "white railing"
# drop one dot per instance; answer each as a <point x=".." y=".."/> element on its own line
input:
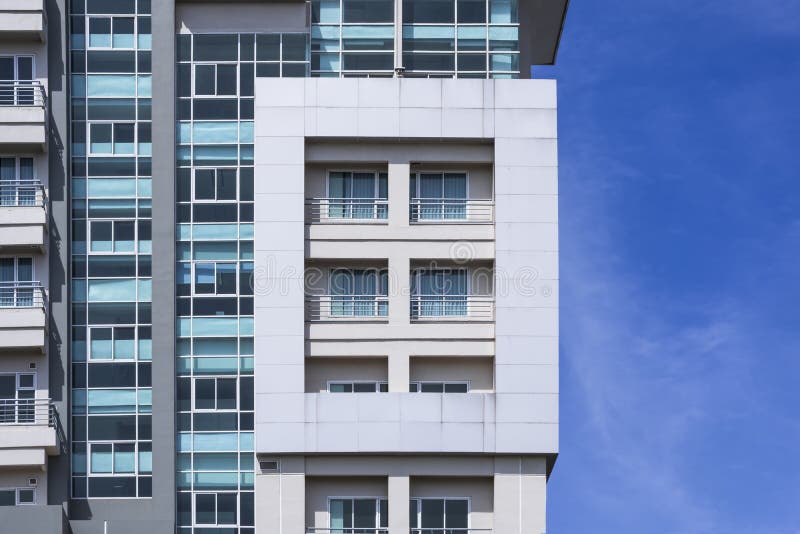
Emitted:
<point x="27" y="412"/>
<point x="21" y="93"/>
<point x="21" y="295"/>
<point x="451" y="211"/>
<point x="346" y="308"/>
<point x="21" y="193"/>
<point x="452" y="308"/>
<point x="347" y="210"/>
<point x="347" y="530"/>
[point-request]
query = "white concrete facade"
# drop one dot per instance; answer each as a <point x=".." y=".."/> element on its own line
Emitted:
<point x="497" y="441"/>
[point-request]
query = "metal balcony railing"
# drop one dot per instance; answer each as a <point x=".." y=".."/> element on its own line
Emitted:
<point x="28" y="412"/>
<point x="452" y="308"/>
<point x="346" y="308"/>
<point x="347" y="530"/>
<point x="451" y="211"/>
<point x="22" y="295"/>
<point x="21" y="193"/>
<point x="347" y="210"/>
<point x="28" y="93"/>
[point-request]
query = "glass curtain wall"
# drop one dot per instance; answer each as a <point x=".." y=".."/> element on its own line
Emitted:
<point x="215" y="142"/>
<point x="440" y="38"/>
<point x="110" y="187"/>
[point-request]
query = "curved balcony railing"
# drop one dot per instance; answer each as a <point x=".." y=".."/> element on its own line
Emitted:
<point x="28" y="412"/>
<point x="452" y="308"/>
<point x="321" y="308"/>
<point x="22" y="93"/>
<point x="347" y="210"/>
<point x="22" y="295"/>
<point x="451" y="211"/>
<point x="21" y="193"/>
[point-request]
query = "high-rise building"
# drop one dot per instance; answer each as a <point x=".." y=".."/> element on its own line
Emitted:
<point x="277" y="267"/>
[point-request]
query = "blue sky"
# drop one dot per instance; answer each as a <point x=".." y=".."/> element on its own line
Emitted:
<point x="679" y="140"/>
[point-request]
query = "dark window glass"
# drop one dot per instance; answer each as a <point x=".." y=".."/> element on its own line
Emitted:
<point x="79" y="375"/>
<point x="268" y="70"/>
<point x="184" y="509"/>
<point x="215" y="421"/>
<point x="246" y="306"/>
<point x="294" y="46"/>
<point x="184" y="394"/>
<point x="368" y="62"/>
<point x="112" y="265"/>
<point x="457" y="513"/>
<point x="145" y="264"/>
<point x="364" y="513"/>
<point x="144" y="61"/>
<point x="246" y="184"/>
<point x="226" y="509"/>
<point x="472" y="11"/>
<point x="183" y="307"/>
<point x="455" y="388"/>
<point x="112" y="313"/>
<point x="112" y="487"/>
<point x="184" y="74"/>
<point x="226" y="184"/>
<point x="216" y="108"/>
<point x="205" y="507"/>
<point x="145" y="375"/>
<point x="145" y="427"/>
<point x="246" y="212"/>
<point x="145" y="486"/>
<point x="368" y="10"/>
<point x="215" y="306"/>
<point x="226" y="79"/>
<point x="246" y="509"/>
<point x="79" y="426"/>
<point x="216" y="47"/>
<point x="246" y="392"/>
<point x="246" y="79"/>
<point x="112" y="427"/>
<point x="432" y="512"/>
<point x="184" y="190"/>
<point x="145" y="109"/>
<point x="472" y="62"/>
<point x="268" y="47"/>
<point x="226" y="393"/>
<point x="432" y="388"/>
<point x="428" y="11"/>
<point x="112" y="375"/>
<point x="246" y="421"/>
<point x="214" y="212"/>
<point x="246" y="108"/>
<point x="111" y="6"/>
<point x="246" y="47"/>
<point x="111" y="61"/>
<point x="429" y="62"/>
<point x="204" y="394"/>
<point x="79" y="487"/>
<point x="205" y="79"/>
<point x="295" y="70"/>
<point x="184" y="47"/>
<point x="204" y="188"/>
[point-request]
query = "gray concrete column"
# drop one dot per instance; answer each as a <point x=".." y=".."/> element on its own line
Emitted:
<point x="398" y="194"/>
<point x="399" y="490"/>
<point x="399" y="371"/>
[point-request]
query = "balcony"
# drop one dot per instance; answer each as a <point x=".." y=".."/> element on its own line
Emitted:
<point x="23" y="218"/>
<point x="452" y="308"/>
<point x="29" y="429"/>
<point x="23" y="323"/>
<point x="346" y="308"/>
<point x="22" y="20"/>
<point x="347" y="211"/>
<point x="451" y="211"/>
<point x="22" y="116"/>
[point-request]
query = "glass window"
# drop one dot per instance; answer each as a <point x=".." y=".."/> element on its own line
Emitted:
<point x="368" y="10"/>
<point x="428" y="11"/>
<point x="357" y="195"/>
<point x="439" y="513"/>
<point x="357" y="387"/>
<point x="348" y="514"/>
<point x="215" y="394"/>
<point x="439" y="293"/>
<point x="438" y="196"/>
<point x="359" y="292"/>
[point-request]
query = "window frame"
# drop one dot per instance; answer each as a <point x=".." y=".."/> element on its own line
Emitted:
<point x="113" y="327"/>
<point x="235" y="263"/>
<point x="111" y="18"/>
<point x="215" y="200"/>
<point x="113" y="473"/>
<point x="380" y="386"/>
<point x="378" y="528"/>
<point x="216" y="379"/>
<point x="235" y="64"/>
<point x="114" y="124"/>
<point x="419" y="383"/>
<point x="216" y="494"/>
<point x="418" y="502"/>
<point x="17" y="490"/>
<point x="90" y="223"/>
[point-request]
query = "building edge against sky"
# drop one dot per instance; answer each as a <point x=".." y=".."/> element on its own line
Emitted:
<point x="277" y="266"/>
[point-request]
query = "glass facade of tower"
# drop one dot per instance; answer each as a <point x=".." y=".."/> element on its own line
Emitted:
<point x="214" y="192"/>
<point x="440" y="38"/>
<point x="110" y="187"/>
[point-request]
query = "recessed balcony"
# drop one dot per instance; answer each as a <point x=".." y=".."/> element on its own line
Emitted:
<point x="23" y="218"/>
<point x="23" y="118"/>
<point x="23" y="318"/>
<point x="22" y="20"/>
